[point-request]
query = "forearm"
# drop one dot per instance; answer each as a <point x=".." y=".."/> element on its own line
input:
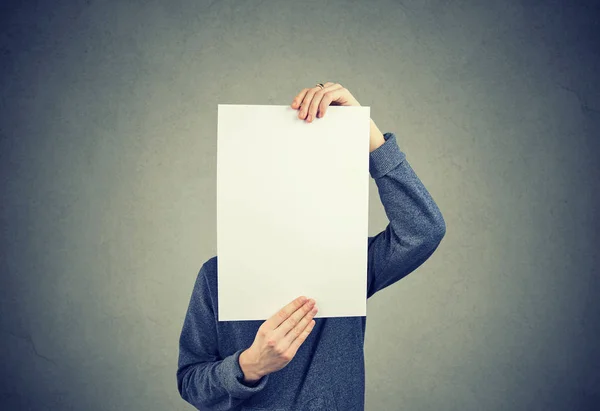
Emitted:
<point x="416" y="224"/>
<point x="408" y="204"/>
<point x="251" y="374"/>
<point x="376" y="137"/>
<point x="204" y="378"/>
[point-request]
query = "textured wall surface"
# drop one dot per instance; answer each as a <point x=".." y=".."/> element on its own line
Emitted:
<point x="108" y="125"/>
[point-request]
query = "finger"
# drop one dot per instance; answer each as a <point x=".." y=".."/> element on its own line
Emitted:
<point x="284" y="313"/>
<point x="319" y="105"/>
<point x="298" y="99"/>
<point x="313" y="104"/>
<point x="306" y="102"/>
<point x="297" y="330"/>
<point x="308" y="98"/>
<point x="291" y="352"/>
<point x="293" y="320"/>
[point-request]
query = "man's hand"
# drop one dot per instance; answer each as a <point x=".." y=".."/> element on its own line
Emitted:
<point x="313" y="102"/>
<point x="278" y="339"/>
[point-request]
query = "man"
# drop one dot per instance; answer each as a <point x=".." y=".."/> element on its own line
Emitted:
<point x="292" y="361"/>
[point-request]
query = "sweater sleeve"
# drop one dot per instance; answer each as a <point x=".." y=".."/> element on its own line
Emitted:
<point x="204" y="379"/>
<point x="416" y="226"/>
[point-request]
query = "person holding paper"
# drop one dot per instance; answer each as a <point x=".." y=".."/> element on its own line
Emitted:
<point x="292" y="361"/>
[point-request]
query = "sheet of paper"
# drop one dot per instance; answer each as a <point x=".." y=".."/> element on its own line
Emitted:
<point x="292" y="210"/>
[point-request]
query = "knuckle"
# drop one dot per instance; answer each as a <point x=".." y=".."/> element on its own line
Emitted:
<point x="282" y="314"/>
<point x="286" y="357"/>
<point x="272" y="343"/>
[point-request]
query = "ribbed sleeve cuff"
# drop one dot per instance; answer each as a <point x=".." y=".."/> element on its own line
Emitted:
<point x="385" y="157"/>
<point x="233" y="377"/>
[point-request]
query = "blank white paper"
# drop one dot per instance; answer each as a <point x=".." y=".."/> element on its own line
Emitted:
<point x="292" y="210"/>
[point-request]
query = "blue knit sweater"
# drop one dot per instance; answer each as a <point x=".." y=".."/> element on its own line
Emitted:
<point x="327" y="373"/>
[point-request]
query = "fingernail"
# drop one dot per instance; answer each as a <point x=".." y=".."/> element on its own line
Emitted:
<point x="309" y="118"/>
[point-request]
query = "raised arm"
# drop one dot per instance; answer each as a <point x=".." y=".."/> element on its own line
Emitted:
<point x="416" y="226"/>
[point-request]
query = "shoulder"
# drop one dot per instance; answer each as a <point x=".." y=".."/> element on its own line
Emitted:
<point x="207" y="276"/>
<point x="205" y="285"/>
<point x="210" y="266"/>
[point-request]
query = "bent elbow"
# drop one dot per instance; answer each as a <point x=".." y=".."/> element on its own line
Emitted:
<point x="183" y="376"/>
<point x="441" y="228"/>
<point x="437" y="232"/>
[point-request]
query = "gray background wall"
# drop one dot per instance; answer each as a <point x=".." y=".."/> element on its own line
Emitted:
<point x="108" y="200"/>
